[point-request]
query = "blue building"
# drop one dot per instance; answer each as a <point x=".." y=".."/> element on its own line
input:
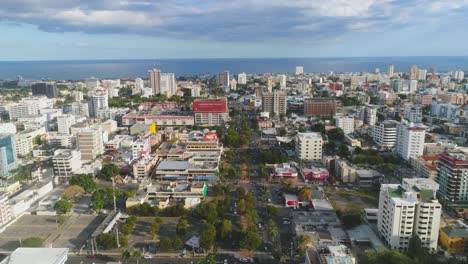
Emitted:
<point x="8" y="159"/>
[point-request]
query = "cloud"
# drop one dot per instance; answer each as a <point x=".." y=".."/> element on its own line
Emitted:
<point x="227" y="20"/>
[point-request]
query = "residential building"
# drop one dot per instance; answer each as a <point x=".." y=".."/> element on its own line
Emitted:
<point x="60" y="140"/>
<point x="345" y="171"/>
<point x="299" y="70"/>
<point x="77" y="108"/>
<point x="8" y="158"/>
<point x="24" y="144"/>
<point x="142" y="168"/>
<point x="425" y="166"/>
<point x="433" y="149"/>
<point x="309" y="146"/>
<point x="413" y="72"/>
<point x="7" y="128"/>
<point x="410" y="141"/>
<point x="319" y="106"/>
<point x="282" y="81"/>
<point x="211" y="112"/>
<point x="384" y="133"/>
<point x="155" y="80"/>
<point x="414" y="113"/>
<point x="275" y="102"/>
<point x="422" y="73"/>
<point x="242" y="78"/>
<point x="64" y="122"/>
<point x="391" y="70"/>
<point x="168" y="84"/>
<point x="98" y="102"/>
<point x="409" y="209"/>
<point x="223" y="79"/>
<point x="346" y="123"/>
<point x="47" y="89"/>
<point x="369" y="114"/>
<point x="233" y="85"/>
<point x="452" y="176"/>
<point x="140" y="148"/>
<point x="454" y="237"/>
<point x="90" y="143"/>
<point x="5" y="210"/>
<point x="65" y="163"/>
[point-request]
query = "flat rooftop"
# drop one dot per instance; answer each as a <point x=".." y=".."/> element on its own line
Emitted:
<point x="36" y="256"/>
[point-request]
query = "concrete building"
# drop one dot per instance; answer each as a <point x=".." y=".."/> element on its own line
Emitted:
<point x="413" y="72"/>
<point x="282" y="81"/>
<point x="65" y="163"/>
<point x="211" y="112"/>
<point x="454" y="237"/>
<point x="410" y="141"/>
<point x="38" y="255"/>
<point x="7" y="128"/>
<point x="64" y="122"/>
<point x="242" y="78"/>
<point x="384" y="133"/>
<point x="452" y="176"/>
<point x="425" y="166"/>
<point x="319" y="106"/>
<point x="233" y="85"/>
<point x="309" y="146"/>
<point x="346" y="123"/>
<point x="414" y="113"/>
<point x="345" y="171"/>
<point x="98" y="102"/>
<point x="140" y="148"/>
<point x="8" y="158"/>
<point x="168" y="84"/>
<point x="47" y="89"/>
<point x="391" y="70"/>
<point x="142" y="168"/>
<point x="369" y="114"/>
<point x="299" y="70"/>
<point x="223" y="79"/>
<point x="5" y="210"/>
<point x="155" y="80"/>
<point x="275" y="102"/>
<point x="60" y="140"/>
<point x="409" y="209"/>
<point x="90" y="143"/>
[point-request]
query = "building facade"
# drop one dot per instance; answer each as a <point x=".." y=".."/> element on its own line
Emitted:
<point x="452" y="176"/>
<point x="346" y="124"/>
<point x="309" y="146"/>
<point x="90" y="143"/>
<point x="65" y="163"/>
<point x="410" y="141"/>
<point x="319" y="106"/>
<point x="8" y="158"/>
<point x="275" y="102"/>
<point x="211" y="112"/>
<point x="384" y="134"/>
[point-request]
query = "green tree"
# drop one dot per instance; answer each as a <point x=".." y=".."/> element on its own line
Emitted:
<point x="272" y="229"/>
<point x="272" y="210"/>
<point x="106" y="241"/>
<point x="126" y="254"/>
<point x="226" y="228"/>
<point x="37" y="140"/>
<point x="305" y="194"/>
<point x="64" y="205"/>
<point x="385" y="257"/>
<point x="250" y="240"/>
<point x="86" y="181"/>
<point x="165" y="244"/>
<point x="207" y="237"/>
<point x="177" y="243"/>
<point x="181" y="227"/>
<point x="109" y="170"/>
<point x="304" y="242"/>
<point x="137" y="254"/>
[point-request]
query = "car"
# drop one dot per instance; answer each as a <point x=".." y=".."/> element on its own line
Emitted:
<point x="147" y="256"/>
<point x="225" y="261"/>
<point x="244" y="260"/>
<point x="251" y="260"/>
<point x="91" y="256"/>
<point x="286" y="222"/>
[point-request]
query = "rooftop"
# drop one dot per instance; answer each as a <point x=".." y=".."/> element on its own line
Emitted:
<point x="311" y="135"/>
<point x="36" y="255"/>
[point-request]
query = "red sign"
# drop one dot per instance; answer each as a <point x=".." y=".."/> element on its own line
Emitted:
<point x="209" y="137"/>
<point x="210" y="106"/>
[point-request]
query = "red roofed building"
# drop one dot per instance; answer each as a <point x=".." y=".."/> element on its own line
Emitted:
<point x="425" y="166"/>
<point x="211" y="112"/>
<point x="452" y="172"/>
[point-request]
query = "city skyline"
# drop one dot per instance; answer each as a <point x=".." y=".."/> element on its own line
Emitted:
<point x="208" y="29"/>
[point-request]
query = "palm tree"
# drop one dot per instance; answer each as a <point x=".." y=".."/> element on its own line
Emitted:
<point x="137" y="254"/>
<point x="272" y="231"/>
<point x="126" y="254"/>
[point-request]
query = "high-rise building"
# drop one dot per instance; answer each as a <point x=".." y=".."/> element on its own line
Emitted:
<point x="458" y="75"/>
<point x="410" y="141"/>
<point x="223" y="79"/>
<point x="233" y="85"/>
<point x="413" y="72"/>
<point x="282" y="81"/>
<point x="422" y="73"/>
<point x="309" y="146"/>
<point x="346" y="123"/>
<point x="211" y="112"/>
<point x="8" y="158"/>
<point x="64" y="122"/>
<point x="155" y="80"/>
<point x="319" y="106"/>
<point x="391" y="70"/>
<point x="452" y="176"/>
<point x="299" y="70"/>
<point x="90" y="143"/>
<point x="275" y="102"/>
<point x="65" y="163"/>
<point x="384" y="133"/>
<point x="98" y="102"/>
<point x="5" y="210"/>
<point x="414" y="113"/>
<point x="47" y="89"/>
<point x="369" y="114"/>
<point x="168" y="84"/>
<point x="407" y="210"/>
<point x="92" y="83"/>
<point x="242" y="78"/>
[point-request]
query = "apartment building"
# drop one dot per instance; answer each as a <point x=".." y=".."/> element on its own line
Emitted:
<point x="452" y="176"/>
<point x="90" y="143"/>
<point x="384" y="133"/>
<point x="5" y="210"/>
<point x="65" y="163"/>
<point x="143" y="167"/>
<point x="346" y="123"/>
<point x="275" y="102"/>
<point x="369" y="114"/>
<point x="309" y="146"/>
<point x="410" y="141"/>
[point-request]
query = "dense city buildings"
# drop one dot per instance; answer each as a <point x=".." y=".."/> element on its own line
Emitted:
<point x="319" y="107"/>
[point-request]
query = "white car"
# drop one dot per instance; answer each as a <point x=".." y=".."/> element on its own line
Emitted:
<point x="243" y="260"/>
<point x="147" y="257"/>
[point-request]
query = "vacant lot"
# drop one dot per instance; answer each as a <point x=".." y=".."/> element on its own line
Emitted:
<point x="347" y="199"/>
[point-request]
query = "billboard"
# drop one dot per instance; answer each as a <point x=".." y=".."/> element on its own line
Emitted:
<point x="209" y="137"/>
<point x="210" y="106"/>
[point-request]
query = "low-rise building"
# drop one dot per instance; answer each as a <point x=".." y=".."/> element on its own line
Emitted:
<point x="345" y="171"/>
<point x="143" y="167"/>
<point x="66" y="163"/>
<point x="454" y="237"/>
<point x="425" y="166"/>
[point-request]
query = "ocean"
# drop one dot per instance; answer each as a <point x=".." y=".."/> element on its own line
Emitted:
<point x="82" y="69"/>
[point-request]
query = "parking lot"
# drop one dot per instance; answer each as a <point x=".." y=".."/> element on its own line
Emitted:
<point x="71" y="234"/>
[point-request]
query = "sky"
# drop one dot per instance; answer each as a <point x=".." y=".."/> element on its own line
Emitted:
<point x="148" y="29"/>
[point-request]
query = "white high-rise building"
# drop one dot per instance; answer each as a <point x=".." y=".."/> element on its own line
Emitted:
<point x="422" y="73"/>
<point x="282" y="81"/>
<point x="414" y="113"/>
<point x="309" y="146"/>
<point x="242" y="78"/>
<point x="90" y="143"/>
<point x="139" y="84"/>
<point x="299" y="70"/>
<point x="413" y="86"/>
<point x="458" y="75"/>
<point x="410" y="141"/>
<point x="77" y="96"/>
<point x="369" y="114"/>
<point x="233" y="85"/>
<point x="409" y="209"/>
<point x="98" y="102"/>
<point x="346" y="123"/>
<point x="168" y="84"/>
<point x="64" y="122"/>
<point x="384" y="134"/>
<point x="65" y="163"/>
<point x="7" y="128"/>
<point x="391" y="70"/>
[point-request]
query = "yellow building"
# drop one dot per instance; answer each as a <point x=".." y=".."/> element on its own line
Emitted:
<point x="454" y="238"/>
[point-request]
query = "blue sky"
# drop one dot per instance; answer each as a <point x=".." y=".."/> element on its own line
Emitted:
<point x="126" y="29"/>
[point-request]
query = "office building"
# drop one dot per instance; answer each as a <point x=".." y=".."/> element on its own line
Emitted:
<point x="452" y="176"/>
<point x="391" y="70"/>
<point x="299" y="70"/>
<point x="346" y="123"/>
<point x="211" y="112"/>
<point x="413" y="72"/>
<point x="64" y="122"/>
<point x="65" y="163"/>
<point x="309" y="146"/>
<point x="155" y="80"/>
<point x="8" y="158"/>
<point x="414" y="113"/>
<point x="369" y="114"/>
<point x="384" y="133"/>
<point x="319" y="107"/>
<point x="47" y="89"/>
<point x="409" y="209"/>
<point x="242" y="78"/>
<point x="90" y="143"/>
<point x="223" y="79"/>
<point x="275" y="102"/>
<point x="410" y="141"/>
<point x="98" y="102"/>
